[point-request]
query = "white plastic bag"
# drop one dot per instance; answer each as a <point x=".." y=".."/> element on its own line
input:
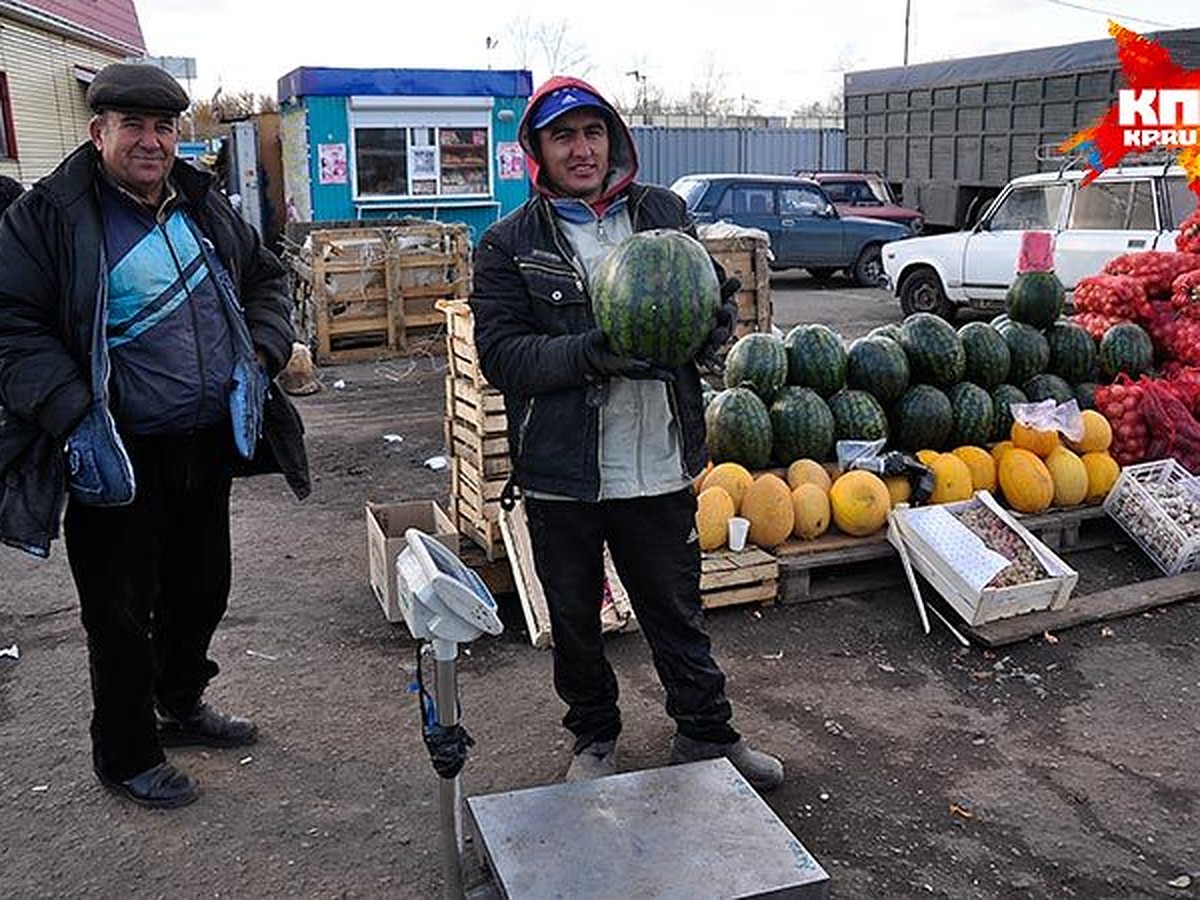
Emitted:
<point x="1047" y="415"/>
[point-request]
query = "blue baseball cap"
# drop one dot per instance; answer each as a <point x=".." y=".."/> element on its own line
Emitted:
<point x="562" y="101"/>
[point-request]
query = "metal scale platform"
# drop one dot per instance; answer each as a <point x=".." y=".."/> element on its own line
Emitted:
<point x="689" y="832"/>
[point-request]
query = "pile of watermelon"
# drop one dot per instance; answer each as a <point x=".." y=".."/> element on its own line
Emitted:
<point x="921" y="384"/>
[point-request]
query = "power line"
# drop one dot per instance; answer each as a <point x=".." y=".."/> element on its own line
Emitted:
<point x="1111" y="14"/>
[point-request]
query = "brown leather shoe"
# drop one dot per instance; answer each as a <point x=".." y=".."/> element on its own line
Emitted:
<point x="160" y="787"/>
<point x="206" y="727"/>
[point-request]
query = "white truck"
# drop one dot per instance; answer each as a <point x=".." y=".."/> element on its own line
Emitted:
<point x="1125" y="209"/>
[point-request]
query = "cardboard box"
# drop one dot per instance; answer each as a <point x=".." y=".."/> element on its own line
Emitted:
<point x="386" y="524"/>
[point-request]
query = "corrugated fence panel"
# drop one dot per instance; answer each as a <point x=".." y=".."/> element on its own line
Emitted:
<point x="664" y="154"/>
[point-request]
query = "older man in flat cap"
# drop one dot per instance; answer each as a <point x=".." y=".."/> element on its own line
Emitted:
<point x="141" y="321"/>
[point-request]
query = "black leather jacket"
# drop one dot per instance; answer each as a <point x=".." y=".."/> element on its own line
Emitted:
<point x="531" y="311"/>
<point x="50" y="301"/>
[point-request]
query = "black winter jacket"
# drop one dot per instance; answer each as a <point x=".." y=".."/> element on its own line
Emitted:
<point x="52" y="280"/>
<point x="532" y="310"/>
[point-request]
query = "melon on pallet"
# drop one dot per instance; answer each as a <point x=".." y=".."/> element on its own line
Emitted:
<point x="923" y="419"/>
<point x="973" y="414"/>
<point x="714" y="509"/>
<point x="879" y="366"/>
<point x="731" y="477"/>
<point x="655" y="296"/>
<point x="860" y="502"/>
<point x="987" y="355"/>
<point x="811" y="506"/>
<point x="816" y="359"/>
<point x="935" y="352"/>
<point x="808" y="471"/>
<point x="758" y="362"/>
<point x="768" y="506"/>
<point x="801" y="425"/>
<point x="738" y="428"/>
<point x="857" y="416"/>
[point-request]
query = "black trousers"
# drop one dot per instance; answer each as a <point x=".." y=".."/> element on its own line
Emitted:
<point x="153" y="580"/>
<point x="660" y="568"/>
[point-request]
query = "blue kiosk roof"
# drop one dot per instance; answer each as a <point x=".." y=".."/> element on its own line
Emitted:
<point x="323" y="82"/>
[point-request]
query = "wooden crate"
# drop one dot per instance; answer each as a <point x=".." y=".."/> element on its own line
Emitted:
<point x="728" y="578"/>
<point x="374" y="292"/>
<point x="475" y="507"/>
<point x="461" y="357"/>
<point x="745" y="258"/>
<point x="482" y="408"/>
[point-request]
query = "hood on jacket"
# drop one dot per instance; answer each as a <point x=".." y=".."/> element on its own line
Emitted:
<point x="622" y="155"/>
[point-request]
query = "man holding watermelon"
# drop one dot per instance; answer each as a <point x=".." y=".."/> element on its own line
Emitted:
<point x="604" y="446"/>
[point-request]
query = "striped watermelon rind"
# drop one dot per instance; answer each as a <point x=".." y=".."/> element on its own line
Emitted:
<point x="816" y="359"/>
<point x="879" y="366"/>
<point x="1072" y="352"/>
<point x="922" y="420"/>
<point x="655" y="295"/>
<point x="857" y="416"/>
<point x="1028" y="350"/>
<point x="759" y="362"/>
<point x="802" y="426"/>
<point x="935" y="353"/>
<point x="738" y="428"/>
<point x="973" y="415"/>
<point x="1126" y="348"/>
<point x="988" y="359"/>
<point x="1003" y="397"/>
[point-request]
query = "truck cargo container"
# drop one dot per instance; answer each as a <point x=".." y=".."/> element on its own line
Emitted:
<point x="949" y="135"/>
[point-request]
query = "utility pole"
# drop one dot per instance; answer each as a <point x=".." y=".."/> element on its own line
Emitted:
<point x="907" y="17"/>
<point x="640" y="102"/>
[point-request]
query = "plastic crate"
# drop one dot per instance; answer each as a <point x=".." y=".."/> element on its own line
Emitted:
<point x="1144" y="519"/>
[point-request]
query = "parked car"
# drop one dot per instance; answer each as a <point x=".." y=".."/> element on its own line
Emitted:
<point x="1125" y="209"/>
<point x="866" y="194"/>
<point x="805" y="228"/>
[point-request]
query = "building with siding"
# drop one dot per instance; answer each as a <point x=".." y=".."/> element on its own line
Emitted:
<point x="49" y="51"/>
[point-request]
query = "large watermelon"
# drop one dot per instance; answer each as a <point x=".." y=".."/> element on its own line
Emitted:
<point x="922" y="420"/>
<point x="935" y="353"/>
<point x="1028" y="351"/>
<point x="739" y="428"/>
<point x="656" y="297"/>
<point x="987" y="354"/>
<point x="857" y="416"/>
<point x="1035" y="298"/>
<point x="1003" y="397"/>
<point x="1126" y="348"/>
<point x="816" y="359"/>
<point x="801" y="425"/>
<point x="757" y="361"/>
<point x="973" y="416"/>
<point x="1072" y="351"/>
<point x="879" y="366"/>
<point x="890" y="331"/>
<point x="1047" y="387"/>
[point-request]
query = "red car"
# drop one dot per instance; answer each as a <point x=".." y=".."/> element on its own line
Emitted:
<point x="868" y="195"/>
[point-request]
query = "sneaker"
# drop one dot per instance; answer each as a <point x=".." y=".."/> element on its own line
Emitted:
<point x="594" y="761"/>
<point x="763" y="771"/>
<point x="205" y="727"/>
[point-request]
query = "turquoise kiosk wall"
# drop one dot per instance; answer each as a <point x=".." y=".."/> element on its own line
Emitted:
<point x="375" y="144"/>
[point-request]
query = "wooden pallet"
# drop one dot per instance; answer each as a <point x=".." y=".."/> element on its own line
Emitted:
<point x="833" y="564"/>
<point x="374" y="292"/>
<point x="482" y="408"/>
<point x="728" y="578"/>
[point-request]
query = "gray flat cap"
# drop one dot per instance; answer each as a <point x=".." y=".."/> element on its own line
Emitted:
<point x="135" y="86"/>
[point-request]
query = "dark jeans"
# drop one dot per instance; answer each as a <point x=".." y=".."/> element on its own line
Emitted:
<point x="660" y="568"/>
<point x="153" y="580"/>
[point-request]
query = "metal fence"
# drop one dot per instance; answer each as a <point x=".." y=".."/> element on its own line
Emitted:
<point x="664" y="154"/>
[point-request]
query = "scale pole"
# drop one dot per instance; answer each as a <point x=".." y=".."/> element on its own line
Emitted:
<point x="450" y="789"/>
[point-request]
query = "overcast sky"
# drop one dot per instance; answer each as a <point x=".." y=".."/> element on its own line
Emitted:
<point x="776" y="56"/>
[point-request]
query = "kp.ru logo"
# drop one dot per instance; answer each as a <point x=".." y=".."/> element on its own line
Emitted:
<point x="1158" y="118"/>
<point x="1158" y="110"/>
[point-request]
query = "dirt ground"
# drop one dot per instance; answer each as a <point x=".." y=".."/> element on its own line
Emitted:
<point x="916" y="768"/>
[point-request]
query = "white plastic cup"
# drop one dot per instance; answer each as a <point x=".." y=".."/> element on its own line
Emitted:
<point x="738" y="529"/>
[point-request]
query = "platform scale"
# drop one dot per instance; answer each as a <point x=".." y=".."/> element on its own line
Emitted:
<point x="691" y="831"/>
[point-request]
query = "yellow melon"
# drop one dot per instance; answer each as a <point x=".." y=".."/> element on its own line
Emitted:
<point x="1102" y="474"/>
<point x="811" y="505"/>
<point x="1097" y="434"/>
<point x="714" y="509"/>
<point x="808" y="471"/>
<point x="698" y="481"/>
<point x="899" y="488"/>
<point x="768" y="506"/>
<point x="982" y="466"/>
<point x="731" y="476"/>
<point x="1070" y="477"/>
<point x="927" y="456"/>
<point x="1025" y="481"/>
<point x="860" y="502"/>
<point x="1034" y="440"/>
<point x="951" y="479"/>
<point x="998" y="450"/>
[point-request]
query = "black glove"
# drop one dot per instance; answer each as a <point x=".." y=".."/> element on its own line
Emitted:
<point x="725" y="321"/>
<point x="602" y="362"/>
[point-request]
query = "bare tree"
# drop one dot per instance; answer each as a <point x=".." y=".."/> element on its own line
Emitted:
<point x="707" y="95"/>
<point x="537" y="44"/>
